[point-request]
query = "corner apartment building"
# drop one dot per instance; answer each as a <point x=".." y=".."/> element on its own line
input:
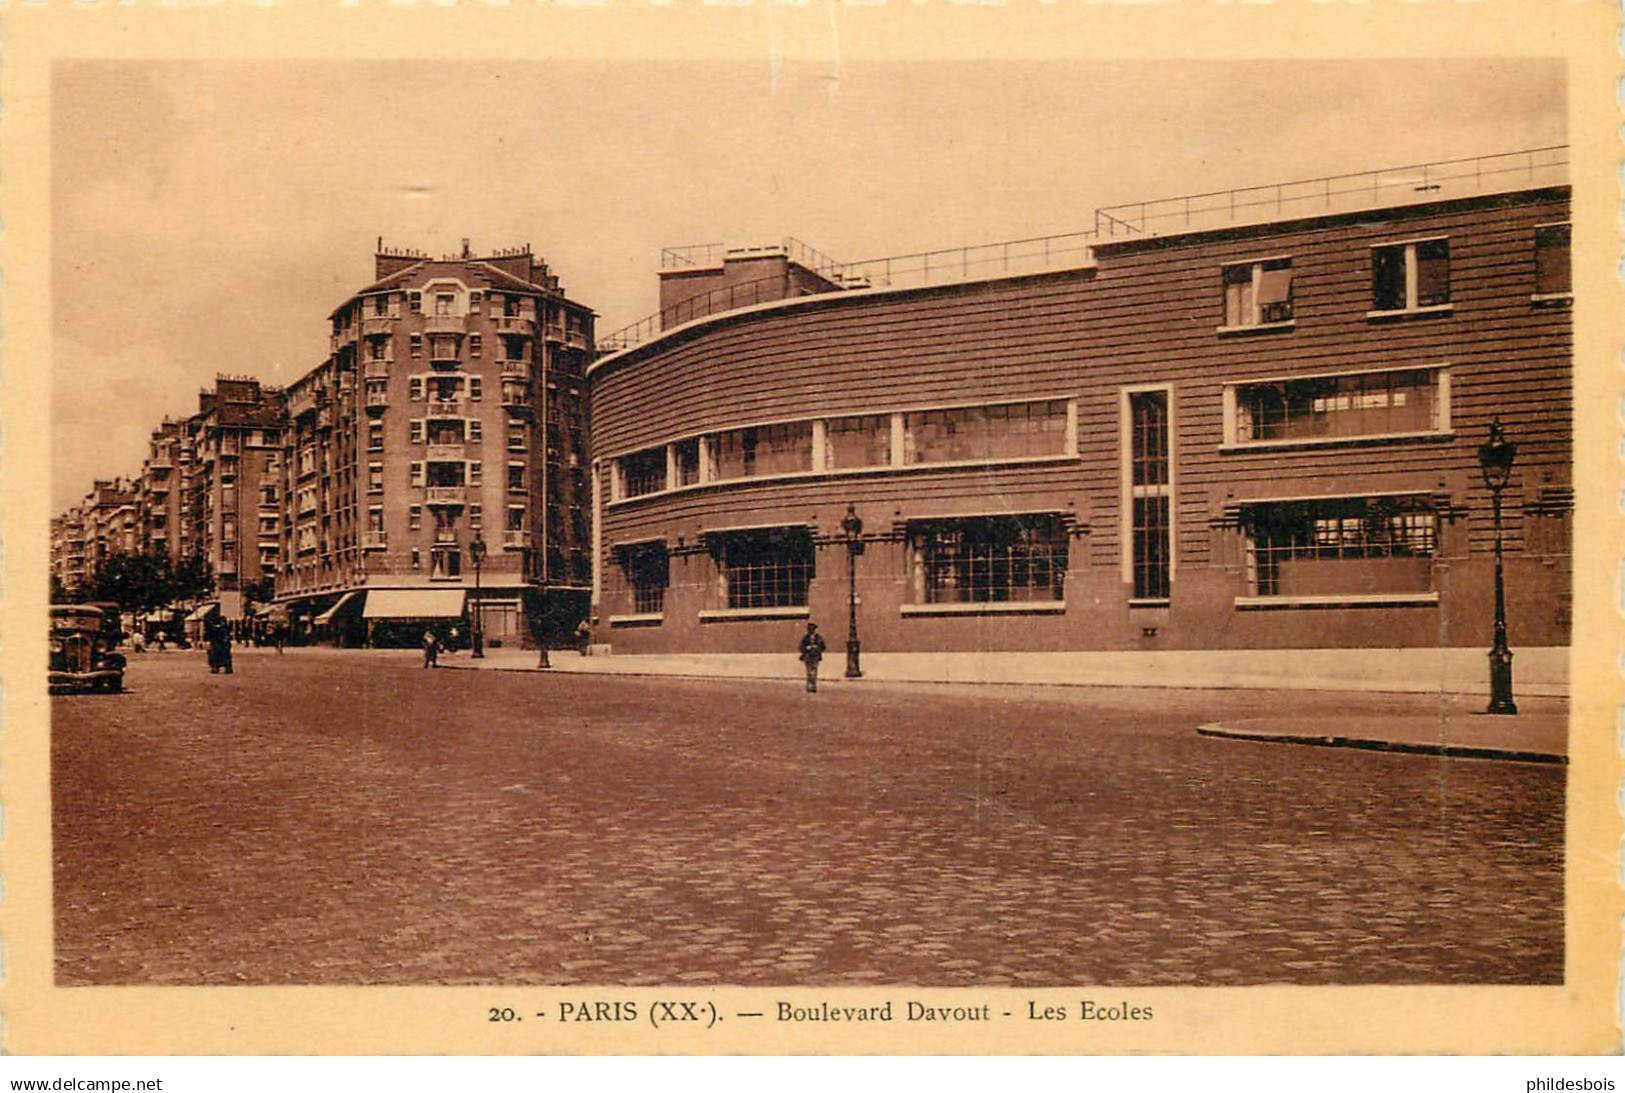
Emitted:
<point x="1239" y="421"/>
<point x="451" y="410"/>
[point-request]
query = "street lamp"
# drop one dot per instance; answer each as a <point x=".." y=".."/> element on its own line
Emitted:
<point x="476" y="551"/>
<point x="852" y="528"/>
<point x="1495" y="460"/>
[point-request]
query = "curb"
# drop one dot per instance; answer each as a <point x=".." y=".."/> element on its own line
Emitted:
<point x="1451" y="751"/>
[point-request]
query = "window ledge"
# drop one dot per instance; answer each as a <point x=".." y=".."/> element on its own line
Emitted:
<point x="847" y="472"/>
<point x="1411" y="312"/>
<point x="1255" y="328"/>
<point x="652" y="618"/>
<point x="735" y="614"/>
<point x="1033" y="607"/>
<point x="1336" y="441"/>
<point x="1377" y="599"/>
<point x="1552" y="299"/>
<point x="1151" y="601"/>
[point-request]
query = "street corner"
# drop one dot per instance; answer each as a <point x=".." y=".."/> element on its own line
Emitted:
<point x="1524" y="738"/>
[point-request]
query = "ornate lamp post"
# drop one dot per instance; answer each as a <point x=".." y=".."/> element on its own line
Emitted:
<point x="1495" y="460"/>
<point x="476" y="551"/>
<point x="852" y="528"/>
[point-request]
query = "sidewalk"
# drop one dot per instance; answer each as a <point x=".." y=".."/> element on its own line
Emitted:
<point x="1524" y="737"/>
<point x="1539" y="673"/>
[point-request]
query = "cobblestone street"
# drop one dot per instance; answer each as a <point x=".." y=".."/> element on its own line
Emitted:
<point x="346" y="817"/>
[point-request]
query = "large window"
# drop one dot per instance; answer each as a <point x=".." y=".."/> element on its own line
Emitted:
<point x="766" y="568"/>
<point x="1354" y="405"/>
<point x="686" y="456"/>
<point x="1341" y="545"/>
<point x="647" y="569"/>
<point x="1552" y="276"/>
<point x="1410" y="276"/>
<point x="763" y="450"/>
<point x="862" y="441"/>
<point x="643" y="472"/>
<point x="1258" y="293"/>
<point x="973" y="433"/>
<point x="1150" y="482"/>
<point x="993" y="559"/>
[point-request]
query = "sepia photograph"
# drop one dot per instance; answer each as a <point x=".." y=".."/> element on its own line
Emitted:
<point x="825" y="540"/>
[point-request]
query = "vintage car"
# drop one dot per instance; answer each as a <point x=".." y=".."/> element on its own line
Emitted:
<point x="82" y="658"/>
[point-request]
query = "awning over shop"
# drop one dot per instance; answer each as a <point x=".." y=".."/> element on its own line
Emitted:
<point x="327" y="616"/>
<point x="263" y="610"/>
<point x="201" y="610"/>
<point x="414" y="603"/>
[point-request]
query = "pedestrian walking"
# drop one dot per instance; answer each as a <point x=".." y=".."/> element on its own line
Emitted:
<point x="451" y="641"/>
<point x="812" y="651"/>
<point x="583" y="636"/>
<point x="431" y="649"/>
<point x="279" y="635"/>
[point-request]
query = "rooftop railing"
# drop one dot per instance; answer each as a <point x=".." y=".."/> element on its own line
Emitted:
<point x="692" y="254"/>
<point x="1415" y="183"/>
<point x="1391" y="186"/>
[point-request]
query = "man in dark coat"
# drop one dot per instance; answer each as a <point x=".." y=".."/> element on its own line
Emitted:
<point x="218" y="637"/>
<point x="812" y="651"/>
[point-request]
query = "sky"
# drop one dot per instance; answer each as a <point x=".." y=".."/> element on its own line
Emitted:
<point x="208" y="216"/>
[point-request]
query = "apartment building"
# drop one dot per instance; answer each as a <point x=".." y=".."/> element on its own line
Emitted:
<point x="447" y="425"/>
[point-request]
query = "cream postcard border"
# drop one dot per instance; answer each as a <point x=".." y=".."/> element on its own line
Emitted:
<point x="1579" y="1017"/>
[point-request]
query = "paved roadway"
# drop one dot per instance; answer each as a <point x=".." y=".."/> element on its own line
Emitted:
<point x="345" y="817"/>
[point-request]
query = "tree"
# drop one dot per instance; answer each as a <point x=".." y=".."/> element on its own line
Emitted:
<point x="260" y="591"/>
<point x="190" y="579"/>
<point x="136" y="582"/>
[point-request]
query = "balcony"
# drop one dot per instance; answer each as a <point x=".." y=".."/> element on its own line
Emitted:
<point x="576" y="339"/>
<point x="516" y="397"/>
<point x="377" y="398"/>
<point x="444" y="324"/>
<point x="444" y="452"/>
<point x="445" y="536"/>
<point x="512" y="369"/>
<point x="514" y="324"/>
<point x="554" y="332"/>
<point x="515" y="540"/>
<point x="376" y="370"/>
<point x="324" y="417"/>
<point x="373" y="325"/>
<point x="374" y="540"/>
<point x="447" y="407"/>
<point x="447" y="495"/>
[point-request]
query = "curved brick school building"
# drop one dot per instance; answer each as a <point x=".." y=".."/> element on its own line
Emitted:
<point x="1166" y="435"/>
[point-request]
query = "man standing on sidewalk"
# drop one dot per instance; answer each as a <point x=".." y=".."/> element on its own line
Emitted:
<point x="431" y="648"/>
<point x="812" y="651"/>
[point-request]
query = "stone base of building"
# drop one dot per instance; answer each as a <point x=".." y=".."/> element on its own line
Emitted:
<point x="1537" y="671"/>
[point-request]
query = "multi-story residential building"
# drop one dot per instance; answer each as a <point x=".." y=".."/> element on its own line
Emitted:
<point x="451" y="411"/>
<point x="228" y="453"/>
<point x="68" y="549"/>
<point x="1244" y="421"/>
<point x="111" y="522"/>
<point x="158" y="492"/>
